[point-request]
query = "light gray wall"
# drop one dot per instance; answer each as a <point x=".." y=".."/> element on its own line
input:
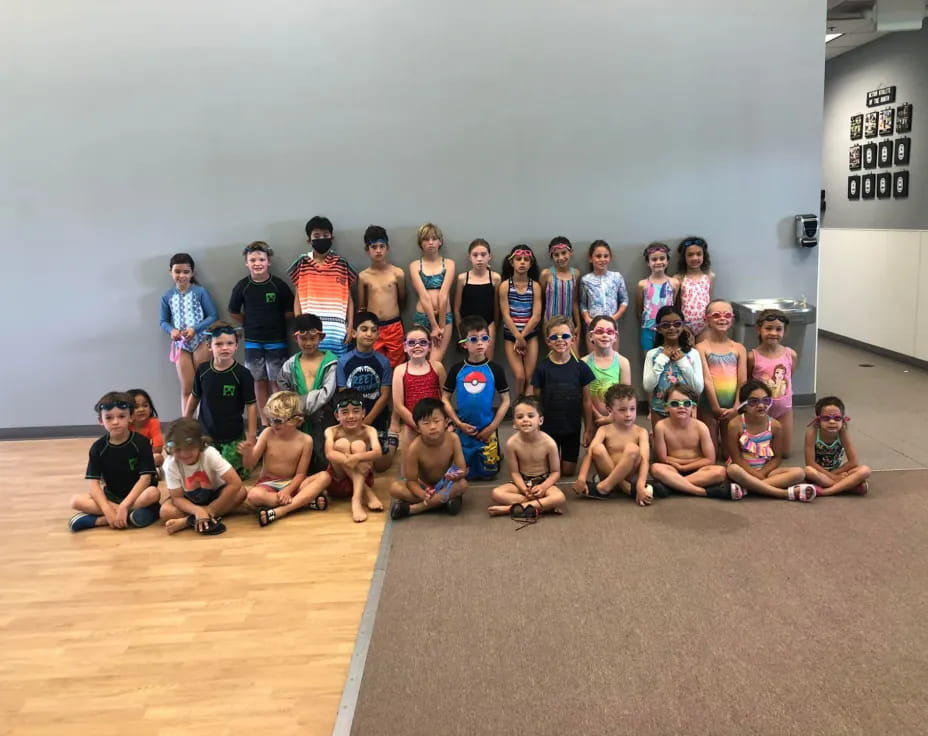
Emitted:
<point x="899" y="59"/>
<point x="131" y="131"/>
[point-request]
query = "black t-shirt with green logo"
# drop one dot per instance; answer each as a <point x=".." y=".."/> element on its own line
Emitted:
<point x="265" y="305"/>
<point x="223" y="397"/>
<point x="118" y="467"/>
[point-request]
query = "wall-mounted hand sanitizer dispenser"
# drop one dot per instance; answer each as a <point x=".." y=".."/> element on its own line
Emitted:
<point x="807" y="230"/>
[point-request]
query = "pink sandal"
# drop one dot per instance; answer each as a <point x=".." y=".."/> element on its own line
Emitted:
<point x="801" y="492"/>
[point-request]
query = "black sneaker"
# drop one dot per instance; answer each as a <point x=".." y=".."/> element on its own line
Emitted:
<point x="399" y="510"/>
<point x="453" y="506"/>
<point x="660" y="490"/>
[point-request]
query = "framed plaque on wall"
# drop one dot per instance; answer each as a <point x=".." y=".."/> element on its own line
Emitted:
<point x="853" y="187"/>
<point x="884" y="185"/>
<point x="868" y="186"/>
<point x="887" y="117"/>
<point x="853" y="157"/>
<point x="901" y="184"/>
<point x="870" y="156"/>
<point x="870" y="121"/>
<point x="857" y="127"/>
<point x="885" y="158"/>
<point x="901" y="153"/>
<point x="903" y="118"/>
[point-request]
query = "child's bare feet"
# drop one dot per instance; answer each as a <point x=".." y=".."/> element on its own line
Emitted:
<point x="373" y="503"/>
<point x="172" y="526"/>
<point x="357" y="512"/>
<point x="499" y="510"/>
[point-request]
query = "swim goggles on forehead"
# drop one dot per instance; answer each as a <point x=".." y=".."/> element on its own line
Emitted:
<point x="345" y="403"/>
<point x="521" y="252"/>
<point x="309" y="333"/>
<point x="110" y="405"/>
<point x="693" y="241"/>
<point x="560" y="246"/>
<point x="775" y="317"/>
<point x="225" y="330"/>
<point x="258" y="248"/>
<point x="657" y="249"/>
<point x="171" y="444"/>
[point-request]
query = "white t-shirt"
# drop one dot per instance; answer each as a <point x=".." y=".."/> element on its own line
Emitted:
<point x="206" y="472"/>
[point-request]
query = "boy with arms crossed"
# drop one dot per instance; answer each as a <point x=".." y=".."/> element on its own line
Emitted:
<point x="534" y="465"/>
<point x="619" y="451"/>
<point x="433" y="466"/>
<point x="121" y="471"/>
<point x="351" y="447"/>
<point x="268" y="304"/>
<point x="382" y="290"/>
<point x="226" y="390"/>
<point x="283" y="486"/>
<point x="685" y="451"/>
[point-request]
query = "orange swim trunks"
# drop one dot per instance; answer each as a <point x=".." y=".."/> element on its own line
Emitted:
<point x="390" y="339"/>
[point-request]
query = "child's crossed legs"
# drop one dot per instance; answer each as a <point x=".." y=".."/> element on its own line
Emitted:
<point x="309" y="492"/>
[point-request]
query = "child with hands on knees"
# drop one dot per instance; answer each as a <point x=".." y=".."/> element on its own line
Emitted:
<point x="755" y="446"/>
<point x="202" y="484"/>
<point x="121" y="470"/>
<point x="416" y="379"/>
<point x="284" y="485"/>
<point x="560" y="284"/>
<point x="724" y="371"/>
<point x="774" y="364"/>
<point x="520" y="308"/>
<point x="831" y="461"/>
<point x="694" y="283"/>
<point x="619" y="453"/>
<point x="601" y="291"/>
<point x="562" y="382"/>
<point x="673" y="361"/>
<point x="431" y="276"/>
<point x="654" y="292"/>
<point x="351" y="447"/>
<point x="433" y="466"/>
<point x="187" y="311"/>
<point x="475" y="291"/>
<point x="469" y="393"/>
<point x="608" y="366"/>
<point x="534" y="467"/>
<point x="685" y="454"/>
<point x="145" y="421"/>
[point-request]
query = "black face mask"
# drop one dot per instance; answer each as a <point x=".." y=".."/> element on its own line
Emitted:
<point x="321" y="245"/>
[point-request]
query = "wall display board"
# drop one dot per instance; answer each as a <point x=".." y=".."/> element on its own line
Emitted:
<point x="853" y="187"/>
<point x="870" y="121"/>
<point x="884" y="185"/>
<point x="901" y="184"/>
<point x="887" y="117"/>
<point x="902" y="152"/>
<point x="870" y="156"/>
<point x="903" y="118"/>
<point x="885" y="158"/>
<point x="868" y="186"/>
<point x="857" y="127"/>
<point x="854" y="157"/>
<point x="881" y="96"/>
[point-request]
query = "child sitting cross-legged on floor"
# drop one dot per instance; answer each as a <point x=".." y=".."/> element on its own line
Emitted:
<point x="685" y="452"/>
<point x="534" y="464"/>
<point x="283" y="486"/>
<point x="831" y="461"/>
<point x="433" y="465"/>
<point x="203" y="485"/>
<point x="619" y="451"/>
<point x="351" y="447"/>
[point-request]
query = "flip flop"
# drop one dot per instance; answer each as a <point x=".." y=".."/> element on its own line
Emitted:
<point x="266" y="516"/>
<point x="592" y="491"/>
<point x="319" y="503"/>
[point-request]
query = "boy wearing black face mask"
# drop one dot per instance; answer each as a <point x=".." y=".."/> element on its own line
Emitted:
<point x="322" y="283"/>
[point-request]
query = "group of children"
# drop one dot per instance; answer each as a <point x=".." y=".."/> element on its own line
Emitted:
<point x="342" y="412"/>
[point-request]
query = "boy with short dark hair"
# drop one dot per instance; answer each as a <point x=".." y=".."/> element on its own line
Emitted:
<point x="563" y="384"/>
<point x="473" y="384"/>
<point x="268" y="303"/>
<point x="370" y="373"/>
<point x="223" y="389"/>
<point x="351" y="447"/>
<point x="382" y="290"/>
<point x="322" y="281"/>
<point x="685" y="453"/>
<point x="433" y="465"/>
<point x="121" y="470"/>
<point x="311" y="374"/>
<point x="619" y="451"/>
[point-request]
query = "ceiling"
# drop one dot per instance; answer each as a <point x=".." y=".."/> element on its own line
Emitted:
<point x="853" y="18"/>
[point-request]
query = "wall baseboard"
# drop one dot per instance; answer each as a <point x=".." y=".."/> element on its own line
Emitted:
<point x="50" y="433"/>
<point x="886" y="353"/>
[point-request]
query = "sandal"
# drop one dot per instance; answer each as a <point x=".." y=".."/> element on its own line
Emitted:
<point x="266" y="516"/>
<point x="525" y="514"/>
<point x="801" y="492"/>
<point x="213" y="527"/>
<point x="319" y="503"/>
<point x="592" y="491"/>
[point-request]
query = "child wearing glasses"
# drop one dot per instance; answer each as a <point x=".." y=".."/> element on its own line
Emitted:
<point x="831" y="461"/>
<point x="382" y="290"/>
<point x="224" y="390"/>
<point x="601" y="291"/>
<point x="416" y="379"/>
<point x="121" y="469"/>
<point x="656" y="291"/>
<point x="311" y="374"/>
<point x="431" y="276"/>
<point x="562" y="382"/>
<point x="520" y="308"/>
<point x="470" y="390"/>
<point x="475" y="291"/>
<point x="608" y="366"/>
<point x="267" y="302"/>
<point x="351" y="447"/>
<point x="724" y="370"/>
<point x="694" y="282"/>
<point x="755" y="446"/>
<point x="774" y="364"/>
<point x="560" y="283"/>
<point x="284" y="485"/>
<point x="685" y="454"/>
<point x="673" y="361"/>
<point x="187" y="311"/>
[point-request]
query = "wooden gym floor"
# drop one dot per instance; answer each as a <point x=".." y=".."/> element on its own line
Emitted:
<point x="136" y="632"/>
